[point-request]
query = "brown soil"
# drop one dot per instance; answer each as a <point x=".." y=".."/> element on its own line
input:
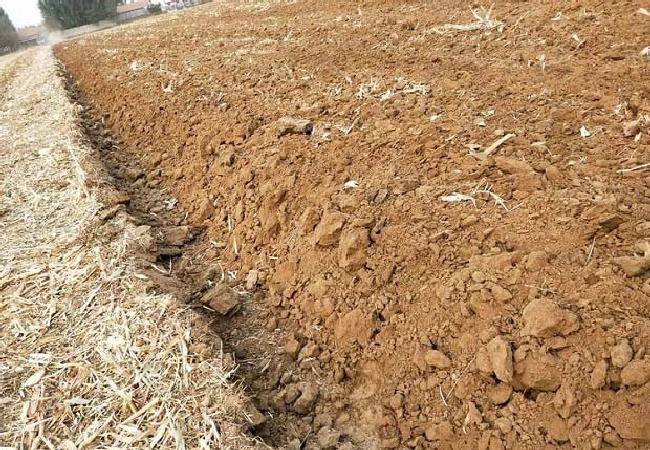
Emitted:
<point x="404" y="320"/>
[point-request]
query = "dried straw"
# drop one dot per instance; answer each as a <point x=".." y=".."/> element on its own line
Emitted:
<point x="88" y="358"/>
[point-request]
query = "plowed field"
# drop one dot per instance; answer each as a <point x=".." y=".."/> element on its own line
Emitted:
<point x="439" y="219"/>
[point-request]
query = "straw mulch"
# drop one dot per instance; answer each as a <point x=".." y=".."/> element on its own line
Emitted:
<point x="89" y="359"/>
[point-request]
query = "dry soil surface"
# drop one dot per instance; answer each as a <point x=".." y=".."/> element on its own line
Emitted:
<point x="440" y="218"/>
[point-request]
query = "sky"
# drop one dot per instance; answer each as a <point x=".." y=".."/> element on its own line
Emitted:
<point x="22" y="13"/>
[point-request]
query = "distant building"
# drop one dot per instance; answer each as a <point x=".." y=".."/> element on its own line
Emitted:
<point x="131" y="10"/>
<point x="30" y="36"/>
<point x="171" y="5"/>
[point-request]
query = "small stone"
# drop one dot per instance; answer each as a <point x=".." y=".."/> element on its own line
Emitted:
<point x="396" y="401"/>
<point x="631" y="128"/>
<point x="328" y="438"/>
<point x="598" y="375"/>
<point x="636" y="373"/>
<point x="613" y="439"/>
<point x="307" y="398"/>
<point x="478" y="276"/>
<point x="328" y="231"/>
<point x="621" y="354"/>
<point x="633" y="265"/>
<point x="503" y="424"/>
<point x="500" y="355"/>
<point x="290" y="125"/>
<point x="381" y="196"/>
<point x="473" y="417"/>
<point x="251" y="280"/>
<point x="543" y="318"/>
<point x="221" y="299"/>
<point x="437" y="359"/>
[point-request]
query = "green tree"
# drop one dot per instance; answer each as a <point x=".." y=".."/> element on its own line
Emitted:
<point x="66" y="14"/>
<point x="8" y="36"/>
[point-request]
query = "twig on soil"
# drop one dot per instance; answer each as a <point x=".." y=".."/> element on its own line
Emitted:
<point x="458" y="197"/>
<point x="456" y="381"/>
<point x="442" y="396"/>
<point x="498" y="143"/>
<point x="591" y="251"/>
<point x="631" y="169"/>
<point x="484" y="21"/>
<point x="487" y="189"/>
<point x="347" y="130"/>
<point x="543" y="290"/>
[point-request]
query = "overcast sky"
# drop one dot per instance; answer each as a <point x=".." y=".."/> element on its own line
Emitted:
<point x="22" y="12"/>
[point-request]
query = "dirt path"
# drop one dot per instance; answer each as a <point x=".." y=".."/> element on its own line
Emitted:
<point x="90" y="357"/>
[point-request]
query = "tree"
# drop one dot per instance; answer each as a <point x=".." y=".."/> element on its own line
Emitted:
<point x="66" y="14"/>
<point x="8" y="36"/>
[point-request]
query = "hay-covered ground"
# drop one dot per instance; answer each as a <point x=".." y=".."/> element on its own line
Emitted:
<point x="89" y="359"/>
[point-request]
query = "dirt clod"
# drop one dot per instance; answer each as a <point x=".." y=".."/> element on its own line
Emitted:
<point x="306" y="399"/>
<point x="251" y="279"/>
<point x="543" y="318"/>
<point x="500" y="355"/>
<point x="631" y="422"/>
<point x="328" y="438"/>
<point x="636" y="373"/>
<point x="538" y="372"/>
<point x="292" y="347"/>
<point x="352" y="245"/>
<point x="598" y="375"/>
<point x="290" y="125"/>
<point x="177" y="236"/>
<point x="621" y="354"/>
<point x="328" y="230"/>
<point x="436" y="359"/>
<point x="221" y="299"/>
<point x="499" y="393"/>
<point x="558" y="430"/>
<point x="565" y="401"/>
<point x="633" y="266"/>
